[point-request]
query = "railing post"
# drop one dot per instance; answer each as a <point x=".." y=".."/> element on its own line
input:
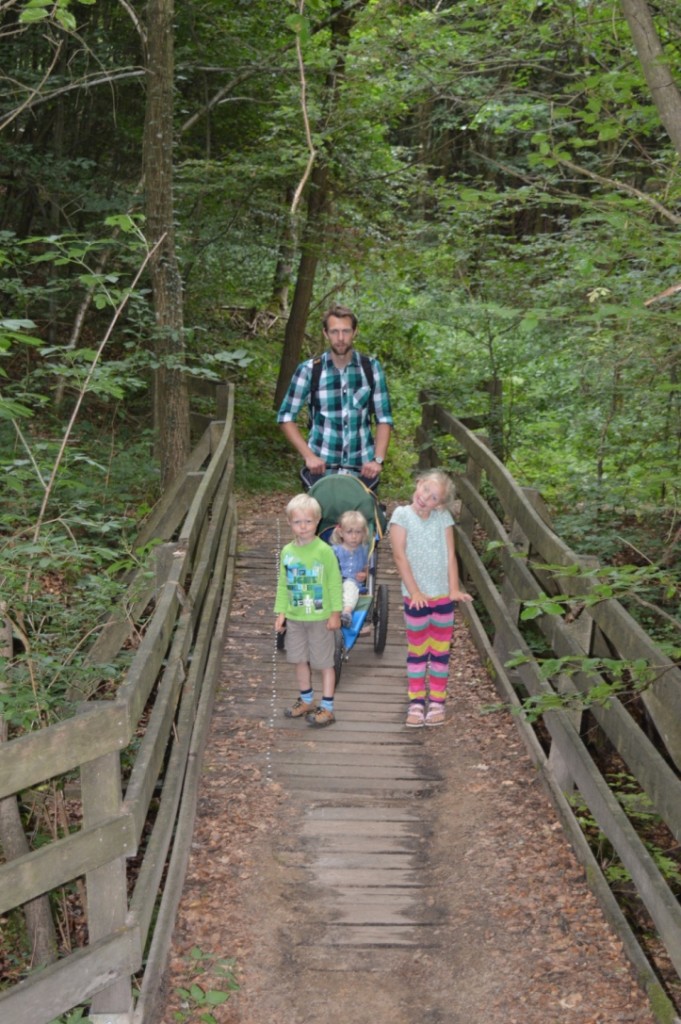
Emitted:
<point x="107" y="899"/>
<point x="427" y="456"/>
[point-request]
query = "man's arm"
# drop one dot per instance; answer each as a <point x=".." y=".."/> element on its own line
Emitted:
<point x="294" y="436"/>
<point x="373" y="468"/>
<point x="295" y="398"/>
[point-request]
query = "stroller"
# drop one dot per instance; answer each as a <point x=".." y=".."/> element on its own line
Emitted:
<point x="337" y="494"/>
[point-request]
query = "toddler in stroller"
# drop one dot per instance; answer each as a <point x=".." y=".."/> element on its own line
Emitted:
<point x="338" y="495"/>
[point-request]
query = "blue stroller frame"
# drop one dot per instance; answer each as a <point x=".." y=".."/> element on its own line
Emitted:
<point x="338" y="493"/>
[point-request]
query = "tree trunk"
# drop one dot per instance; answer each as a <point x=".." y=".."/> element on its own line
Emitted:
<point x="39" y="924"/>
<point x="171" y="398"/>
<point x="664" y="91"/>
<point x="341" y="22"/>
<point x="313" y="239"/>
<point x="283" y="271"/>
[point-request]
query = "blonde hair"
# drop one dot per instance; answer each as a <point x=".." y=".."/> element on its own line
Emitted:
<point x="350" y="518"/>
<point x="304" y="503"/>
<point x="444" y="481"/>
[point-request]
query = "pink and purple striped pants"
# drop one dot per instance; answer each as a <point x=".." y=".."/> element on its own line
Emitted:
<point x="429" y="636"/>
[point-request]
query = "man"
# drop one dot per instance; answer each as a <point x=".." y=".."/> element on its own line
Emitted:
<point x="343" y="391"/>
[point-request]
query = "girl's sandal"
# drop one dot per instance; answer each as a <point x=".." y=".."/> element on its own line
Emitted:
<point x="415" y="716"/>
<point x="436" y="715"/>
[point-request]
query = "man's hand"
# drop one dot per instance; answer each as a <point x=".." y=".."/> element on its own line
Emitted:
<point x="316" y="465"/>
<point x="371" y="470"/>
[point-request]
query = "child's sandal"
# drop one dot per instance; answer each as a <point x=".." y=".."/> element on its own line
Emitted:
<point x="415" y="716"/>
<point x="436" y="714"/>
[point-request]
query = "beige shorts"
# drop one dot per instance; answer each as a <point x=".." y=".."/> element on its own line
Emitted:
<point x="311" y="642"/>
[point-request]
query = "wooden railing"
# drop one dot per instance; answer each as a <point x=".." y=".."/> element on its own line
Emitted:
<point x="165" y="697"/>
<point x="505" y="575"/>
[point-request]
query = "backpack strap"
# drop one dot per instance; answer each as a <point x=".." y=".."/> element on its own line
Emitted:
<point x="367" y="370"/>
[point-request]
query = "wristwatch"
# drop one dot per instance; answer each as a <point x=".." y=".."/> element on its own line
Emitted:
<point x="378" y="459"/>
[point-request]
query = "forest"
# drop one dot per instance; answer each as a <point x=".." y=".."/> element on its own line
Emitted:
<point x="494" y="186"/>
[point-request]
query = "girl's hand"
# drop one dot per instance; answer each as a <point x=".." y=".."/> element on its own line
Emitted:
<point x="418" y="600"/>
<point x="459" y="595"/>
<point x="334" y="621"/>
<point x="361" y="575"/>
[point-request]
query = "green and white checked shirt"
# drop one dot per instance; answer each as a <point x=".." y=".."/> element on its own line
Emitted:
<point x="340" y="432"/>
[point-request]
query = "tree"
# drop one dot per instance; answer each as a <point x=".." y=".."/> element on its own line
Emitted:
<point x="171" y="401"/>
<point x="663" y="89"/>
<point x="341" y="19"/>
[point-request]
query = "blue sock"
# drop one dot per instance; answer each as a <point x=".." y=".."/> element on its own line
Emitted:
<point x="306" y="696"/>
<point x="326" y="703"/>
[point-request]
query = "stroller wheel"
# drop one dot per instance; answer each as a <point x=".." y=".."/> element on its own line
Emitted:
<point x="339" y="656"/>
<point x="380" y="618"/>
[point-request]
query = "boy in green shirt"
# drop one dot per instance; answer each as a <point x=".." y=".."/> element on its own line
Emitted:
<point x="308" y="604"/>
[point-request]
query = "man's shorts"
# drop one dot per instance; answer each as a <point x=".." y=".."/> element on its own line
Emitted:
<point x="311" y="642"/>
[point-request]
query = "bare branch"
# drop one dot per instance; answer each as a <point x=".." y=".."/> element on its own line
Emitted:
<point x="308" y="134"/>
<point x="622" y="186"/>
<point x="79" y="401"/>
<point x="664" y="295"/>
<point x="132" y="14"/>
<point x="36" y="91"/>
<point x="218" y="97"/>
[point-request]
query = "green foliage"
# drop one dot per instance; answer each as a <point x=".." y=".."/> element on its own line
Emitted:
<point x="78" y="1015"/>
<point x="60" y="582"/>
<point x="198" y="1000"/>
<point x="641" y="813"/>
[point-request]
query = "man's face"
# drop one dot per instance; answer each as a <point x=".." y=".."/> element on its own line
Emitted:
<point x="340" y="334"/>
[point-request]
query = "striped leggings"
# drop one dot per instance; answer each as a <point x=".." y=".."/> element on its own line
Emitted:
<point x="429" y="635"/>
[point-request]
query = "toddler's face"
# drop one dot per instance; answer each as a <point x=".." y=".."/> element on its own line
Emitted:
<point x="352" y="536"/>
<point x="303" y="526"/>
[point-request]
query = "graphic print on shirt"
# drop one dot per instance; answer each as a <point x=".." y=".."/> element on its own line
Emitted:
<point x="305" y="585"/>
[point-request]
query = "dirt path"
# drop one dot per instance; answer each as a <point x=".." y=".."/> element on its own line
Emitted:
<point x="368" y="874"/>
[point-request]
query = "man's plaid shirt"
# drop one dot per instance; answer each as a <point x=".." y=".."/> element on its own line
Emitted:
<point x="341" y="430"/>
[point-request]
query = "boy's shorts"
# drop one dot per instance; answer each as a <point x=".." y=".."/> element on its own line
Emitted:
<point x="311" y="642"/>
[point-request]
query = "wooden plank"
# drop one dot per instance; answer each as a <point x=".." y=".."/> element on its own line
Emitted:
<point x="325" y="788"/>
<point x="50" y="866"/>
<point x="145" y="666"/>
<point x="339" y="877"/>
<point x="106" y="885"/>
<point x="362" y="756"/>
<point x="29" y="760"/>
<point x="359" y="843"/>
<point x="361" y="861"/>
<point x="220" y="464"/>
<point x="54" y="990"/>
<point x="166" y="516"/>
<point x="363" y="830"/>
<point x="377" y="936"/>
<point x="151" y="989"/>
<point x="322" y="771"/>
<point x="377" y="814"/>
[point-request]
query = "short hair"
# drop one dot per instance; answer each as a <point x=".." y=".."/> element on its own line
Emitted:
<point x="304" y="503"/>
<point x="341" y="312"/>
<point x="352" y="517"/>
<point x="444" y="480"/>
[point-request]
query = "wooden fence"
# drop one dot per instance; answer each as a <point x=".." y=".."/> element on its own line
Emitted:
<point x="166" y="698"/>
<point x="505" y="575"/>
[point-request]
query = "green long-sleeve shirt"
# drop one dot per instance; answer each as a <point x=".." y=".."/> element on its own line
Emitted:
<point x="310" y="585"/>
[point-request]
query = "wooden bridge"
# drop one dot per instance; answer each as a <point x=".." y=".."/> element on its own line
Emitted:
<point x="407" y="869"/>
<point x="397" y="853"/>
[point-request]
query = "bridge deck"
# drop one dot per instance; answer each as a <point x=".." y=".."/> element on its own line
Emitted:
<point x="405" y="876"/>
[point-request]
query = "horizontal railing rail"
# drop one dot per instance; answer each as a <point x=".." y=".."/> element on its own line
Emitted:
<point x="159" y="717"/>
<point x="503" y="576"/>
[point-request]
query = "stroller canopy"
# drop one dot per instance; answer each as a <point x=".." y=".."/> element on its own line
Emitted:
<point x="339" y="492"/>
